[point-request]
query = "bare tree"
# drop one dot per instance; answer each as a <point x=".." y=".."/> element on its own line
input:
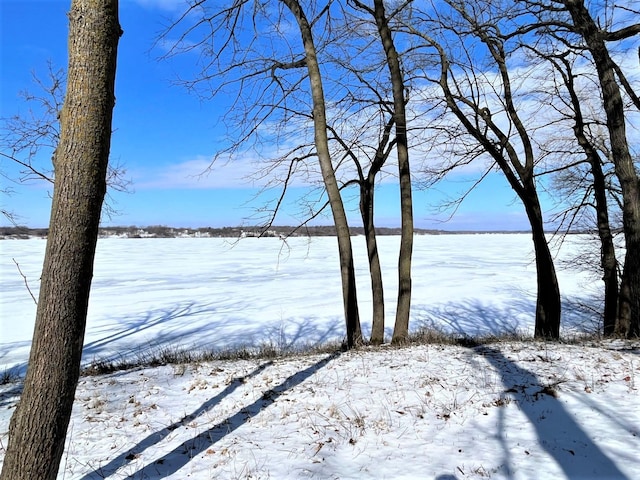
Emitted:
<point x="24" y="137"/>
<point x="279" y="100"/>
<point x="479" y="91"/>
<point x="360" y="124"/>
<point x="595" y="192"/>
<point x="571" y="24"/>
<point x="366" y="181"/>
<point x="38" y="426"/>
<point x="367" y="186"/>
<point x="364" y="119"/>
<point x="577" y="161"/>
<point x="27" y="135"/>
<point x="354" y="334"/>
<point x="382" y="20"/>
<point x="29" y="139"/>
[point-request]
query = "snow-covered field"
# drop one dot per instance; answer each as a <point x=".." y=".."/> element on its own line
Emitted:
<point x="507" y="410"/>
<point x="210" y="292"/>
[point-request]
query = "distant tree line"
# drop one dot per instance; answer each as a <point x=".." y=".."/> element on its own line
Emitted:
<point x="162" y="231"/>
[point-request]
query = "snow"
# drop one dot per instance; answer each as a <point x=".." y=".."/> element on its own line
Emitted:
<point x="504" y="410"/>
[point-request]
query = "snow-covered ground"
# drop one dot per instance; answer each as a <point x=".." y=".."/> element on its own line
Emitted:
<point x="507" y="410"/>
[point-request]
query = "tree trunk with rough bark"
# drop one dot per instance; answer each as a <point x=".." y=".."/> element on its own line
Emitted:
<point x="347" y="270"/>
<point x="38" y="427"/>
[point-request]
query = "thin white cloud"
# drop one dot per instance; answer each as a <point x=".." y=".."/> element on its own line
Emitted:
<point x="202" y="172"/>
<point x="195" y="173"/>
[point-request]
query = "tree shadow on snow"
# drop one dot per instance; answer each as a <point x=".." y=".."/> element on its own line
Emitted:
<point x="223" y="321"/>
<point x="301" y="333"/>
<point x="475" y="317"/>
<point x="128" y="327"/>
<point x="181" y="455"/>
<point x="559" y="434"/>
<point x="17" y="369"/>
<point x="157" y="437"/>
<point x="120" y="342"/>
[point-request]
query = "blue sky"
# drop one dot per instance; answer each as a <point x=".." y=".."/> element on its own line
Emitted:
<point x="165" y="138"/>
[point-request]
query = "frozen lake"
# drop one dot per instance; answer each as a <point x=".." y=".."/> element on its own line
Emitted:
<point x="213" y="292"/>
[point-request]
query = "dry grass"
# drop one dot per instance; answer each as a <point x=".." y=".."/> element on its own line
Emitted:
<point x="270" y="351"/>
<point x="178" y="356"/>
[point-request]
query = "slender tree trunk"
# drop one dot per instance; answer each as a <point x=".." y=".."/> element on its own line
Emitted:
<point x="377" y="289"/>
<point x="629" y="299"/>
<point x="39" y="425"/>
<point x="354" y="333"/>
<point x="401" y="328"/>
<point x="608" y="260"/>
<point x="548" y="305"/>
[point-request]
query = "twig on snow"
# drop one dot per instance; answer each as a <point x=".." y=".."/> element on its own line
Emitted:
<point x="25" y="281"/>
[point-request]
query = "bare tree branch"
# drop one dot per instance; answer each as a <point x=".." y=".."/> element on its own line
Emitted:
<point x="26" y="283"/>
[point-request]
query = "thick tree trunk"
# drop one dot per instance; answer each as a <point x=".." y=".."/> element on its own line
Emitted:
<point x="375" y="272"/>
<point x="354" y="333"/>
<point x="39" y="425"/>
<point x="629" y="309"/>
<point x="548" y="305"/>
<point x="401" y="328"/>
<point x="629" y="299"/>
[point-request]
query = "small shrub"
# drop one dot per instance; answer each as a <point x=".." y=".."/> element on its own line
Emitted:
<point x="9" y="375"/>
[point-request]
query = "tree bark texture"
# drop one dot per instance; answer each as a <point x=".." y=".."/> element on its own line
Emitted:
<point x="594" y="37"/>
<point x="38" y="427"/>
<point x="347" y="270"/>
<point x="401" y="328"/>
